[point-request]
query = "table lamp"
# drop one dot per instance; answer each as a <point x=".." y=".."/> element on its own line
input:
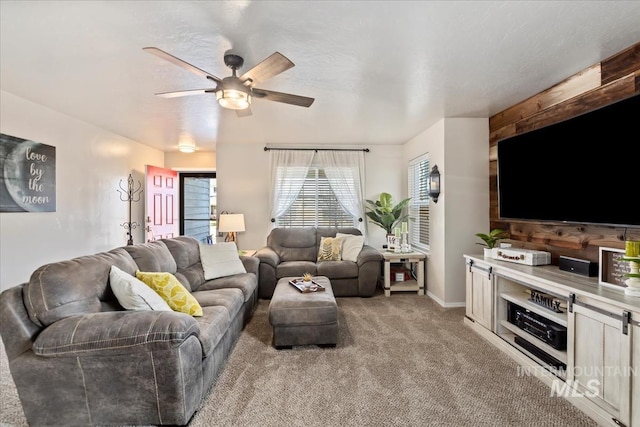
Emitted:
<point x="231" y="224"/>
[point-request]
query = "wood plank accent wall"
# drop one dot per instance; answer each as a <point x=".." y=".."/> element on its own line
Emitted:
<point x="611" y="80"/>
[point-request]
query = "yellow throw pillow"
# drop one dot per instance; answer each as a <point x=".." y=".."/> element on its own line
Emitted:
<point x="330" y="249"/>
<point x="171" y="290"/>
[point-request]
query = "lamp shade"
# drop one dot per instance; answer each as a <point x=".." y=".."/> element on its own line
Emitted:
<point x="231" y="223"/>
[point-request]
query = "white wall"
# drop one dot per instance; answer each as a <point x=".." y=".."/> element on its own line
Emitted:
<point x="459" y="147"/>
<point x="200" y="161"/>
<point x="242" y="175"/>
<point x="466" y="193"/>
<point x="90" y="162"/>
<point x="432" y="141"/>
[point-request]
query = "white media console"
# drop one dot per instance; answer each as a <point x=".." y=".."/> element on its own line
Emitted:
<point x="579" y="338"/>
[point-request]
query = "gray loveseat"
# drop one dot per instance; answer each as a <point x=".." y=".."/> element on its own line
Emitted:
<point x="79" y="359"/>
<point x="294" y="251"/>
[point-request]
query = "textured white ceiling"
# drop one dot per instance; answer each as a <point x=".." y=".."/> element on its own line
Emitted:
<point x="380" y="71"/>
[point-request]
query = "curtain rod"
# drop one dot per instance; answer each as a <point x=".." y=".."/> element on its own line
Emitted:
<point x="366" y="150"/>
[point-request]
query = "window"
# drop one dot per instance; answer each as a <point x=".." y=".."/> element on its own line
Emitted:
<point x="316" y="205"/>
<point x="198" y="205"/>
<point x="419" y="203"/>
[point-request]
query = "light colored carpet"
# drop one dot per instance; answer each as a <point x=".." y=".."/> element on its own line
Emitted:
<point x="400" y="361"/>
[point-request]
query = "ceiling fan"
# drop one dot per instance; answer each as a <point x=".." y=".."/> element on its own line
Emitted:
<point x="233" y="92"/>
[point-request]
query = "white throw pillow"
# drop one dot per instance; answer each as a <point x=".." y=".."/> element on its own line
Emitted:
<point x="134" y="294"/>
<point x="220" y="260"/>
<point x="351" y="246"/>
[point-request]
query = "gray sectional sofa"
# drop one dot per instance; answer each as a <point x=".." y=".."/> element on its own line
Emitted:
<point x="79" y="359"/>
<point x="294" y="251"/>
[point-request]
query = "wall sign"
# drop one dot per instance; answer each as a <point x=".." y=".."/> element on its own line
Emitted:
<point x="612" y="269"/>
<point x="28" y="180"/>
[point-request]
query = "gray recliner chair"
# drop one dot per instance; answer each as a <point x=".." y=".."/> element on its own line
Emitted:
<point x="294" y="251"/>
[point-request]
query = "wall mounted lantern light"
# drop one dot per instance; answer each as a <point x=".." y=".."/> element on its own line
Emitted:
<point x="434" y="184"/>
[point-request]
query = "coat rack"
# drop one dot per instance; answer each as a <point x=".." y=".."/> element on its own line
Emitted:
<point x="130" y="195"/>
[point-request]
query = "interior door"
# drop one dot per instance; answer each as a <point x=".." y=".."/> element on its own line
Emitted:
<point x="161" y="203"/>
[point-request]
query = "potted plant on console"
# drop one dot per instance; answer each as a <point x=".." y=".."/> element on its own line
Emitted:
<point x="491" y="240"/>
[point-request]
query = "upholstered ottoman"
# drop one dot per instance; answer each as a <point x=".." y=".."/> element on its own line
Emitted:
<point x="303" y="318"/>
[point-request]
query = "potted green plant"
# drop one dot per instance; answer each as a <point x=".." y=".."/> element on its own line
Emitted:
<point x="384" y="214"/>
<point x="491" y="240"/>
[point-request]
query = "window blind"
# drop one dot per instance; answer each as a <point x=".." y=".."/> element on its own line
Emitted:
<point x="418" y="208"/>
<point x="316" y="205"/>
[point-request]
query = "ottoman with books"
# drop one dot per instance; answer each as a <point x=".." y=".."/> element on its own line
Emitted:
<point x="303" y="318"/>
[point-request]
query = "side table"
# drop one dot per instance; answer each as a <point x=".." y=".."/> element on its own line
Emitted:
<point x="416" y="258"/>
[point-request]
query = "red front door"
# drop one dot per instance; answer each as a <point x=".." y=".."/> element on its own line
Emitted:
<point x="161" y="203"/>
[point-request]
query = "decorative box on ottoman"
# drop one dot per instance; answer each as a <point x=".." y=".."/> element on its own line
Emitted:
<point x="303" y="318"/>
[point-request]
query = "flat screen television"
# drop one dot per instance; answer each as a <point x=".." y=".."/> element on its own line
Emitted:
<point x="584" y="170"/>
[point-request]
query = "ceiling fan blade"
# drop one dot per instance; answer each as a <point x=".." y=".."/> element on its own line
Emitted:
<point x="180" y="63"/>
<point x="272" y="66"/>
<point x="179" y="93"/>
<point x="287" y="98"/>
<point x="244" y="113"/>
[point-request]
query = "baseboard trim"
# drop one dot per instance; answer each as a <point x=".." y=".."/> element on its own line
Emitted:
<point x="445" y="304"/>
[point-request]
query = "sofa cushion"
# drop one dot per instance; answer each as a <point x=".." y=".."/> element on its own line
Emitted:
<point x="213" y="324"/>
<point x="133" y="294"/>
<point x="115" y="332"/>
<point x="294" y="244"/>
<point x="172" y="291"/>
<point x="247" y="283"/>
<point x="230" y="298"/>
<point x="152" y="256"/>
<point x="184" y="249"/>
<point x="296" y="268"/>
<point x="73" y="287"/>
<point x="330" y="249"/>
<point x="351" y="246"/>
<point x="186" y="252"/>
<point x="220" y="260"/>
<point x="337" y="269"/>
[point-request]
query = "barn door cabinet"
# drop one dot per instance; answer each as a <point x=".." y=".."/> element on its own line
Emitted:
<point x="479" y="306"/>
<point x="597" y="366"/>
<point x="600" y="355"/>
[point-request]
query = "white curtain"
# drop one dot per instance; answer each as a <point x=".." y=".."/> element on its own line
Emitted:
<point x="289" y="169"/>
<point x="345" y="173"/>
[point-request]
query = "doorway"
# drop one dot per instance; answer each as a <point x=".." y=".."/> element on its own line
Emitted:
<point x="198" y="205"/>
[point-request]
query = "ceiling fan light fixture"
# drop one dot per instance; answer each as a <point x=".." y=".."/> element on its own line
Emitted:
<point x="232" y="94"/>
<point x="233" y="99"/>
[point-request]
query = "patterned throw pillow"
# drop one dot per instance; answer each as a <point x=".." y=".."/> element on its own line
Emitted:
<point x="172" y="291"/>
<point x="330" y="249"/>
